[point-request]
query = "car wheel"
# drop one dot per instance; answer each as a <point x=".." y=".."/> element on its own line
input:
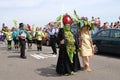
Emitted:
<point x="96" y="50"/>
<point x="47" y="43"/>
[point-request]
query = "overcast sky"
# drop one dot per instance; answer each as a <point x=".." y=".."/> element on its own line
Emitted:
<point x="40" y="12"/>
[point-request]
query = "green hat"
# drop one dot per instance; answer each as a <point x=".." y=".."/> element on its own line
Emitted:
<point x="21" y="25"/>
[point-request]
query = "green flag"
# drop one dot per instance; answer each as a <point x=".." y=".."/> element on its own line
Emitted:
<point x="15" y="22"/>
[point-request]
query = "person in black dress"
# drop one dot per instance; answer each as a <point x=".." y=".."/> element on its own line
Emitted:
<point x="68" y="61"/>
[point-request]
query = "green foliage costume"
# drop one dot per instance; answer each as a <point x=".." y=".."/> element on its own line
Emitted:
<point x="69" y="39"/>
<point x="68" y="60"/>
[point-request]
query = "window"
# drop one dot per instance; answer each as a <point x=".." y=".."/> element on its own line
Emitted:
<point x="115" y="34"/>
<point x="104" y="33"/>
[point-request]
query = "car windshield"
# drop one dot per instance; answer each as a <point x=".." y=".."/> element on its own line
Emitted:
<point x="104" y="33"/>
<point x="74" y="29"/>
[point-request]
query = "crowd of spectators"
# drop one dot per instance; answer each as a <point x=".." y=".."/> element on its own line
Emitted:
<point x="106" y="25"/>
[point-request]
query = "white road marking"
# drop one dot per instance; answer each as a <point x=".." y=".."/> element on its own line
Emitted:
<point x="37" y="56"/>
<point x="41" y="56"/>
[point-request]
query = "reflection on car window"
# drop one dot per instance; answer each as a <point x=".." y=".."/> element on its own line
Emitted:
<point x="103" y="34"/>
<point x="115" y="34"/>
<point x="74" y="29"/>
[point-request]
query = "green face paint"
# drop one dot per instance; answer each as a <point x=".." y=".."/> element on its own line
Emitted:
<point x="67" y="27"/>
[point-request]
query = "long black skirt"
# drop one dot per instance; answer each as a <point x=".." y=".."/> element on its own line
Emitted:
<point x="64" y="66"/>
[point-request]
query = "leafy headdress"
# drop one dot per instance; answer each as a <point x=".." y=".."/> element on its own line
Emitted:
<point x="83" y="21"/>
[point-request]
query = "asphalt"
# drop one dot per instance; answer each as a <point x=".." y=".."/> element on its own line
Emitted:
<point x="41" y="66"/>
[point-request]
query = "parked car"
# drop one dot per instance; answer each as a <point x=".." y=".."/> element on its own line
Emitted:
<point x="46" y="40"/>
<point x="107" y="40"/>
<point x="74" y="29"/>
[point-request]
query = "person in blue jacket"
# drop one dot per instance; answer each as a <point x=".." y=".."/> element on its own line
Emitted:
<point x="22" y="39"/>
<point x="15" y="38"/>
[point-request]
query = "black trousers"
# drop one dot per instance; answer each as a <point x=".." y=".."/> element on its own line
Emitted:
<point x="53" y="45"/>
<point x="9" y="43"/>
<point x="16" y="43"/>
<point x="22" y="47"/>
<point x="39" y="45"/>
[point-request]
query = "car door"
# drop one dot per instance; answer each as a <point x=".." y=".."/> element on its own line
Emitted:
<point x="115" y="41"/>
<point x="102" y="40"/>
